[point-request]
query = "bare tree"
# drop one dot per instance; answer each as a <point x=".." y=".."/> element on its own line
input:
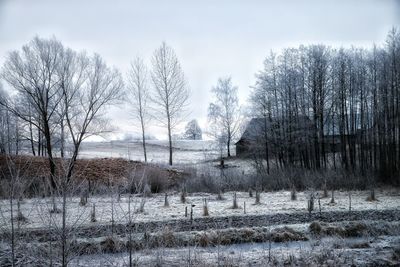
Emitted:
<point x="171" y="93"/>
<point x="85" y="99"/>
<point x="224" y="113"/>
<point x="87" y="86"/>
<point x="139" y="96"/>
<point x="32" y="74"/>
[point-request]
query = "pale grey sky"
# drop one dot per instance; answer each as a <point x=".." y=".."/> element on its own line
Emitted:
<point x="212" y="38"/>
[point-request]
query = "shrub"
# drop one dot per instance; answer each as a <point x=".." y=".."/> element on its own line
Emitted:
<point x="93" y="214"/>
<point x="325" y="193"/>
<point x="286" y="234"/>
<point x="220" y="196"/>
<point x="157" y="180"/>
<point x="183" y="195"/>
<point x="333" y="197"/>
<point x="166" y="203"/>
<point x="258" y="197"/>
<point x="355" y="229"/>
<point x="166" y="238"/>
<point x="293" y="195"/>
<point x="141" y="206"/>
<point x="111" y="245"/>
<point x="310" y="203"/>
<point x="234" y="204"/>
<point x="204" y="240"/>
<point x="203" y="183"/>
<point x="315" y="228"/>
<point x="372" y="196"/>
<point x="83" y="200"/>
<point x="205" y="208"/>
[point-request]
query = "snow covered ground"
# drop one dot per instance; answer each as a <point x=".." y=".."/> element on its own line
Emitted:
<point x="37" y="209"/>
<point x="185" y="151"/>
<point x="329" y="251"/>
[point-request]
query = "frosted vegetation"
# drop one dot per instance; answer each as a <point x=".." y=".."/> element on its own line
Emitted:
<point x="307" y="174"/>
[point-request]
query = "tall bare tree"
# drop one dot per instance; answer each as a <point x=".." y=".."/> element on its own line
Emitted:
<point x="171" y="93"/>
<point x="139" y="96"/>
<point x="224" y="113"/>
<point x="3" y="121"/>
<point x="88" y="87"/>
<point x="32" y="73"/>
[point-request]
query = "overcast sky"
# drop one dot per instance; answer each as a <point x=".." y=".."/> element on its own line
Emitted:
<point x="212" y="38"/>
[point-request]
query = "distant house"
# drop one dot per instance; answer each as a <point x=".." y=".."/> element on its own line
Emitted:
<point x="332" y="132"/>
<point x="252" y="135"/>
<point x="272" y="134"/>
<point x="281" y="135"/>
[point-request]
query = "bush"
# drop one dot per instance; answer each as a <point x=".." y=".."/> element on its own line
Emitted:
<point x="157" y="180"/>
<point x="315" y="228"/>
<point x="350" y="229"/>
<point x="202" y="183"/>
<point x="111" y="245"/>
<point x="211" y="180"/>
<point x="286" y="234"/>
<point x="204" y="240"/>
<point x="205" y="208"/>
<point x="293" y="195"/>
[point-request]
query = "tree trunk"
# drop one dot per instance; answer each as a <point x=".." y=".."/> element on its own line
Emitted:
<point x="143" y="139"/>
<point x="228" y="144"/>
<point x="62" y="139"/>
<point x="31" y="139"/>
<point x="52" y="164"/>
<point x="170" y="140"/>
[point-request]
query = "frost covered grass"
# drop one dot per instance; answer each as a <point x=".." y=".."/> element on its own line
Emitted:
<point x="346" y="232"/>
<point x="293" y="244"/>
<point x="323" y="252"/>
<point x="107" y="207"/>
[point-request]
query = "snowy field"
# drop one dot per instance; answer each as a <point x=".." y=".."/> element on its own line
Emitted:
<point x="185" y="151"/>
<point x="276" y="211"/>
<point x="369" y="240"/>
<point x="333" y="251"/>
<point x="36" y="210"/>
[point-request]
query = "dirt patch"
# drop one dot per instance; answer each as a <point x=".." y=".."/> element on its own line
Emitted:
<point x="106" y="171"/>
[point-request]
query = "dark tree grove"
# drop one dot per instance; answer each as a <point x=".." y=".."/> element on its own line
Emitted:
<point x="347" y="102"/>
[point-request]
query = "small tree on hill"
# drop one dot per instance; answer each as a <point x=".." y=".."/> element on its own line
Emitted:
<point x="193" y="131"/>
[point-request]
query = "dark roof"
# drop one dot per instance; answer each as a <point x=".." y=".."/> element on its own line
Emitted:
<point x="300" y="127"/>
<point x="255" y="129"/>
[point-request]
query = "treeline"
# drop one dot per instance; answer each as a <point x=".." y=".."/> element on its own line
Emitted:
<point x="59" y="97"/>
<point x="332" y="108"/>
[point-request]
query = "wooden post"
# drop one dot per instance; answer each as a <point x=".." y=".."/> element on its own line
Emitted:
<point x="191" y="213"/>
